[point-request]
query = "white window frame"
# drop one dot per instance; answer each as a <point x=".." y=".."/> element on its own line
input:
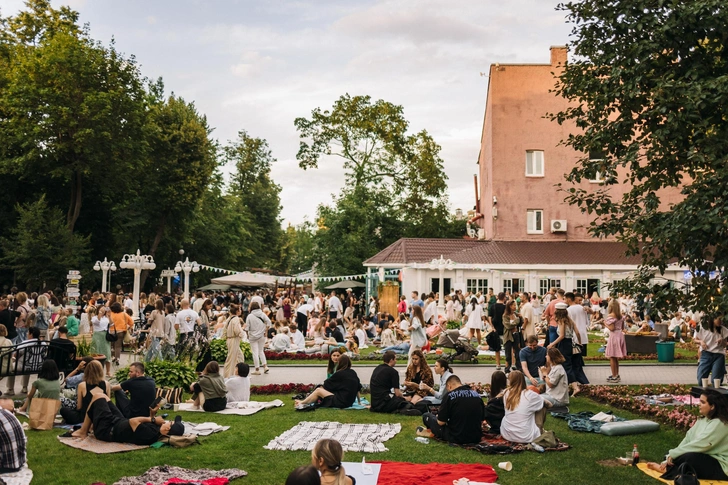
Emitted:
<point x="474" y="285"/>
<point x="582" y="286"/>
<point x="599" y="176"/>
<point x="508" y="286"/>
<point x="537" y="166"/>
<point x="543" y="286"/>
<point x="531" y="217"/>
<point x="555" y="283"/>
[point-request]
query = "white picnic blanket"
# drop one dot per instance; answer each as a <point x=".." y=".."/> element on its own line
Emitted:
<point x="241" y="408"/>
<point x="364" y="438"/>
<point x="203" y="429"/>
<point x="22" y="477"/>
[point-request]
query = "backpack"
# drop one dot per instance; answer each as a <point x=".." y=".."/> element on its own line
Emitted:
<point x="180" y="441"/>
<point x="30" y="318"/>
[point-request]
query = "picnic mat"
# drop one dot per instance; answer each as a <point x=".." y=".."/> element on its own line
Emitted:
<point x="583" y="421"/>
<point x="21" y="477"/>
<point x="203" y="429"/>
<point x="495" y="444"/>
<point x="365" y="438"/>
<point x="402" y="473"/>
<point x="656" y="475"/>
<point x="93" y="445"/>
<point x="364" y="404"/>
<point x="159" y="475"/>
<point x="241" y="408"/>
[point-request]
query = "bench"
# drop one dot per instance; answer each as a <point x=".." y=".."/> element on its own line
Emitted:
<point x="27" y="358"/>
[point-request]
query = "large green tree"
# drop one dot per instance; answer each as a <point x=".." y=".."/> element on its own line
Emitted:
<point x="648" y="85"/>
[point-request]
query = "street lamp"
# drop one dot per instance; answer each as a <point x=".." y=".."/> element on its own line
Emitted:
<point x="104" y="266"/>
<point x="441" y="265"/>
<point x="169" y="274"/>
<point x="187" y="266"/>
<point x="137" y="262"/>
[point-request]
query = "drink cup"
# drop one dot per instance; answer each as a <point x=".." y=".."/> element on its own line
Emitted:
<point x="706" y="382"/>
<point x="505" y="465"/>
<point x="175" y="407"/>
<point x="422" y="385"/>
<point x="716" y="383"/>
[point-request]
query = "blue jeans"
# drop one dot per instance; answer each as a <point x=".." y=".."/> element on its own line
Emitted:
<point x="553" y="333"/>
<point x="22" y="335"/>
<point x="402" y="348"/>
<point x="711" y="363"/>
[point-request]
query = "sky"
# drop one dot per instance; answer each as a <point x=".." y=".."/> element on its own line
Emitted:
<point x="257" y="65"/>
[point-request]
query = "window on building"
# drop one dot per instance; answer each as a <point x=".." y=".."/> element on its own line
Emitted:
<point x="534" y="221"/>
<point x="477" y="285"/>
<point x="507" y="286"/>
<point x="534" y="163"/>
<point x="596" y="157"/>
<point x="582" y="286"/>
<point x="555" y="284"/>
<point x="543" y="287"/>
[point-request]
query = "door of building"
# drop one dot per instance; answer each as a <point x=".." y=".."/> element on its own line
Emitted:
<point x="389" y="297"/>
<point x="435" y="285"/>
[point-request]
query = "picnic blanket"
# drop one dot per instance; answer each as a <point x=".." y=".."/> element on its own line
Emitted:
<point x="241" y="408"/>
<point x="364" y="404"/>
<point x="203" y="429"/>
<point x="495" y="444"/>
<point x="668" y="399"/>
<point x="656" y="475"/>
<point x="402" y="473"/>
<point x="364" y="438"/>
<point x="583" y="421"/>
<point x="21" y="477"/>
<point x="99" y="447"/>
<point x="159" y="475"/>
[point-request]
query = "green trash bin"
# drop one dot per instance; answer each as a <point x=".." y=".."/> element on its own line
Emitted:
<point x="665" y="351"/>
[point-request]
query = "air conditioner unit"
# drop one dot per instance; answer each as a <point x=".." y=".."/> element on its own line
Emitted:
<point x="558" y="225"/>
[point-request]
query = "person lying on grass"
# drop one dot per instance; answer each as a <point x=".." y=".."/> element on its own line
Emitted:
<point x="705" y="446"/>
<point x="110" y="425"/>
<point x="339" y="391"/>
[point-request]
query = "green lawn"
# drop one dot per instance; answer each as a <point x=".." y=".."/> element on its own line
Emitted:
<point x="242" y="447"/>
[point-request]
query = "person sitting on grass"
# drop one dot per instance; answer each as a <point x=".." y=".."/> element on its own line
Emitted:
<point x="554" y="375"/>
<point x="281" y="342"/>
<point x="532" y="357"/>
<point x="495" y="409"/>
<point x="13" y="442"/>
<point x="141" y="388"/>
<point x="327" y="456"/>
<point x="339" y="390"/>
<point x="418" y="372"/>
<point x="211" y="388"/>
<point x="334" y="357"/>
<point x="47" y="385"/>
<point x="460" y="416"/>
<point x="93" y="376"/>
<point x="304" y="475"/>
<point x="525" y="411"/>
<point x="238" y="386"/>
<point x="110" y="425"/>
<point x="705" y="446"/>
<point x="442" y="369"/>
<point x="385" y="393"/>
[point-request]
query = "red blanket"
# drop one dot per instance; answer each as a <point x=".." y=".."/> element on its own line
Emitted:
<point x="402" y="473"/>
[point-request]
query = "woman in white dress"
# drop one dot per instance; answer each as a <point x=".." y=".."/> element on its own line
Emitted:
<point x="474" y="312"/>
<point x="525" y="411"/>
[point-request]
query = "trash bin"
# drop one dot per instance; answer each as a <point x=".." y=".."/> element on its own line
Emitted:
<point x="665" y="351"/>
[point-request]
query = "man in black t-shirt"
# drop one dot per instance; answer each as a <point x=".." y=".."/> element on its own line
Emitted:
<point x="141" y="388"/>
<point x="333" y="331"/>
<point x="460" y="416"/>
<point x="496" y="319"/>
<point x="385" y="392"/>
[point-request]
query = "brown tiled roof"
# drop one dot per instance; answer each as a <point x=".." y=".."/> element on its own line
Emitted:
<point x="469" y="251"/>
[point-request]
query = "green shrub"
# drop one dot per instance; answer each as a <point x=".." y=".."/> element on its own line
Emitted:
<point x="166" y="373"/>
<point x="453" y="324"/>
<point x="218" y="350"/>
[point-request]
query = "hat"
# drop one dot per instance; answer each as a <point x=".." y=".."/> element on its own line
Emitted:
<point x="561" y="306"/>
<point x="349" y="289"/>
<point x="177" y="428"/>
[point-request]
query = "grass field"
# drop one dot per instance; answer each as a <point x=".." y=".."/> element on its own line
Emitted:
<point x="242" y="447"/>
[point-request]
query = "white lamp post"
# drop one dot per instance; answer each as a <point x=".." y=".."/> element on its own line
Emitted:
<point x="104" y="266"/>
<point x="137" y="262"/>
<point x="441" y="265"/>
<point x="169" y="274"/>
<point x="187" y="266"/>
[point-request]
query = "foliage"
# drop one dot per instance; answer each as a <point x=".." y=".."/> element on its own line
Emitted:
<point x="648" y="84"/>
<point x="454" y="324"/>
<point x="84" y="348"/>
<point x="294" y="356"/>
<point x="298" y="248"/>
<point x="218" y="349"/>
<point x="281" y="389"/>
<point x="166" y="373"/>
<point x="41" y="249"/>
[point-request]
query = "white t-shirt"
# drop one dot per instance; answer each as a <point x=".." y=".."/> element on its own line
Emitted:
<point x="299" y="340"/>
<point x="335" y="305"/>
<point x="527" y="313"/>
<point x="362" y="336"/>
<point x="100" y="325"/>
<point x="129" y="303"/>
<point x="519" y="425"/>
<point x="259" y="299"/>
<point x="280" y="342"/>
<point x="197" y="304"/>
<point x="580" y="318"/>
<point x="186" y="320"/>
<point x="305" y="308"/>
<point x="238" y="389"/>
<point x="560" y="391"/>
<point x="317" y="304"/>
<point x="430" y="311"/>
<point x="715" y="341"/>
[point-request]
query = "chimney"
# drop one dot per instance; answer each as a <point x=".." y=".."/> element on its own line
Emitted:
<point x="558" y="55"/>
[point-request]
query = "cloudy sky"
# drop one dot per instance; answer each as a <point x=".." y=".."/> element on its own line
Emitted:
<point x="257" y="65"/>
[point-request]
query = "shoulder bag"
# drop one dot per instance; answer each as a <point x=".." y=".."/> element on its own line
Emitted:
<point x="111" y="337"/>
<point x="686" y="475"/>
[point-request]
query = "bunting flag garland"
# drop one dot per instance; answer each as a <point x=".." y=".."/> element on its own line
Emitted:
<point x="343" y="277"/>
<point x="218" y="270"/>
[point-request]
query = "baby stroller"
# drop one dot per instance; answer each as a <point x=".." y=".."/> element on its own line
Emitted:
<point x="464" y="352"/>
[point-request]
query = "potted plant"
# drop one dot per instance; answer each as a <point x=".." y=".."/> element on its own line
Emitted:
<point x="86" y="349"/>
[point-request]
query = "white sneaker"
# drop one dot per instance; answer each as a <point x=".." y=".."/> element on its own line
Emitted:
<point x="255" y="373"/>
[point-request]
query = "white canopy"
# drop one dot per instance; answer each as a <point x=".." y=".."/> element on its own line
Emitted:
<point x="246" y="279"/>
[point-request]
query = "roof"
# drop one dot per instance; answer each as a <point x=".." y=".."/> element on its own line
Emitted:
<point x="470" y="251"/>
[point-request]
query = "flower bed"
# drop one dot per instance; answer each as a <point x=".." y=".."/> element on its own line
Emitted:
<point x="638" y="357"/>
<point x="294" y="356"/>
<point x="623" y="397"/>
<point x="282" y="389"/>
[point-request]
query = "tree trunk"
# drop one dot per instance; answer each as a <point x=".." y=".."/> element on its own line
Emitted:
<point x="153" y="248"/>
<point x="74" y="209"/>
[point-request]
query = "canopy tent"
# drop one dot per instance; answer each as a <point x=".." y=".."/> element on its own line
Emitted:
<point x="214" y="287"/>
<point x="346" y="284"/>
<point x="246" y="279"/>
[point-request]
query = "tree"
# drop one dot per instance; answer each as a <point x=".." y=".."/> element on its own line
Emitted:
<point x="70" y="108"/>
<point x="252" y="184"/>
<point x="649" y="85"/>
<point x="41" y="249"/>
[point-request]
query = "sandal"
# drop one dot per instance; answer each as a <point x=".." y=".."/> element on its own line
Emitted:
<point x="67" y="434"/>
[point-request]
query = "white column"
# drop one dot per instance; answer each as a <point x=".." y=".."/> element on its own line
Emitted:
<point x="186" y="294"/>
<point x="137" y="275"/>
<point x="103" y="279"/>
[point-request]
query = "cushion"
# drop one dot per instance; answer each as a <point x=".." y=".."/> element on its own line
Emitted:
<point x="173" y="396"/>
<point x="635" y="426"/>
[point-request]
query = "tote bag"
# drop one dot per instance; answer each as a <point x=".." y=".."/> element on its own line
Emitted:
<point x="43" y="412"/>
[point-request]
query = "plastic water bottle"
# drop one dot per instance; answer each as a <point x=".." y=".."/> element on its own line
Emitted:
<point x="423" y="440"/>
<point x="537" y="447"/>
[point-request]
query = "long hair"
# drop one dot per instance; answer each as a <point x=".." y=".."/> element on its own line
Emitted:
<point x="563" y="316"/>
<point x="516" y="386"/>
<point x="498" y="383"/>
<point x="418" y="314"/>
<point x="555" y="356"/>
<point x="93" y="373"/>
<point x="331" y="367"/>
<point x="508" y="311"/>
<point x="332" y="454"/>
<point x="344" y="363"/>
<point x="614" y="308"/>
<point x="473" y="302"/>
